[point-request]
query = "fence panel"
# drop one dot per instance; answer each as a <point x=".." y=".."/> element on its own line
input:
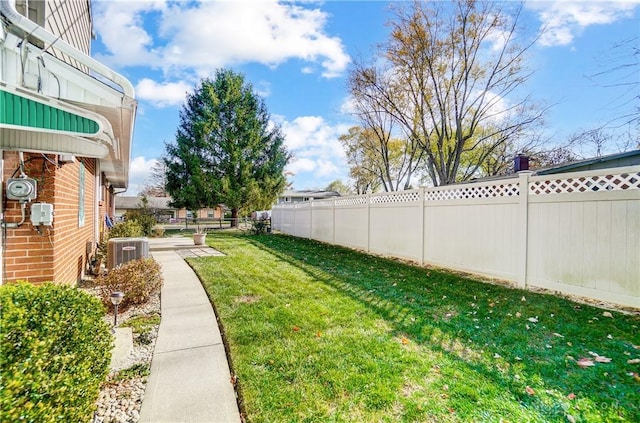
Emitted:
<point x="474" y="227"/>
<point x="352" y="222"/>
<point x="576" y="233"/>
<point x="396" y="224"/>
<point x="302" y="227"/>
<point x="322" y="221"/>
<point x="584" y="235"/>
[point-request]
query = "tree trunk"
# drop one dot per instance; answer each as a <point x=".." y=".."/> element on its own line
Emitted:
<point x="234" y="218"/>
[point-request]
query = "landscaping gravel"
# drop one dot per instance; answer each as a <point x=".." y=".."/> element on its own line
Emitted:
<point x="120" y="397"/>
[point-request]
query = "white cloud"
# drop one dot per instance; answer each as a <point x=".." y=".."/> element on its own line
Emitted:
<point x="562" y="21"/>
<point x="139" y="173"/>
<point x="162" y="95"/>
<point x="301" y="165"/>
<point x="203" y="36"/>
<point x="318" y="156"/>
<point x="120" y="24"/>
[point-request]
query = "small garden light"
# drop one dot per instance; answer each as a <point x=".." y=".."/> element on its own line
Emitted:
<point x="116" y="298"/>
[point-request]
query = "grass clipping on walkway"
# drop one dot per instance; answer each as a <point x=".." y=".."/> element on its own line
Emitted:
<point x="321" y="333"/>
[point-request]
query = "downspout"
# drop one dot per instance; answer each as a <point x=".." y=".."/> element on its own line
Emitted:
<point x="8" y="9"/>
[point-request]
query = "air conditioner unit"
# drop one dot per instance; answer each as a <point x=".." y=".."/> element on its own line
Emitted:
<point x="122" y="250"/>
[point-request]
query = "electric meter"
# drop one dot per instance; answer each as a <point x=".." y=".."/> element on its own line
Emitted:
<point x="22" y="189"/>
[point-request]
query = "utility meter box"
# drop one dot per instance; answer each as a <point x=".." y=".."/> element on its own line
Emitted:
<point x="22" y="189"/>
<point x="42" y="214"/>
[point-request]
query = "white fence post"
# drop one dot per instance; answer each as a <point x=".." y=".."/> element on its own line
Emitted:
<point x="421" y="205"/>
<point x="368" y="222"/>
<point x="333" y="214"/>
<point x="523" y="228"/>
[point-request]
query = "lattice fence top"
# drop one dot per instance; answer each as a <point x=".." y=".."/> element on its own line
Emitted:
<point x="351" y="201"/>
<point x="322" y="203"/>
<point x="505" y="189"/>
<point x="396" y="197"/>
<point x="593" y="183"/>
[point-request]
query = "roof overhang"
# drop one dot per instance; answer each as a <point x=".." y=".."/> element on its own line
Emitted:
<point x="98" y="102"/>
<point x="33" y="122"/>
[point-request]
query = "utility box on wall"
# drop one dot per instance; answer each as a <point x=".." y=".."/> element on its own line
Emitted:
<point x="122" y="250"/>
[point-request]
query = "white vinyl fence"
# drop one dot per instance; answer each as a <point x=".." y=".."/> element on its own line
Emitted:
<point x="576" y="233"/>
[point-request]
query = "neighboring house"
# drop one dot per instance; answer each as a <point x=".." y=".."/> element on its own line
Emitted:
<point x="628" y="158"/>
<point x="294" y="196"/>
<point x="159" y="206"/>
<point x="66" y="126"/>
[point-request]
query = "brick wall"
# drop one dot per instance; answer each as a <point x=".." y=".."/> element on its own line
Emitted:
<point x="57" y="253"/>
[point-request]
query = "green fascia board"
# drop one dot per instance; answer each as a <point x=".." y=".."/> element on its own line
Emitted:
<point x="21" y="111"/>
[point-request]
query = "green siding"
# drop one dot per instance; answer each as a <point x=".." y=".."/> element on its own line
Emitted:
<point x="21" y="111"/>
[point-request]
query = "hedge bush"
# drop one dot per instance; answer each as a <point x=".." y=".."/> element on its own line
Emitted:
<point x="144" y="219"/>
<point x="126" y="229"/>
<point x="55" y="350"/>
<point x="137" y="279"/>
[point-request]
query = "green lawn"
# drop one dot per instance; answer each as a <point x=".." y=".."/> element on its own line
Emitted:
<point x="320" y="333"/>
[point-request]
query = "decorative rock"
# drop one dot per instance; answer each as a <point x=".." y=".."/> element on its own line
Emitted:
<point x="120" y="401"/>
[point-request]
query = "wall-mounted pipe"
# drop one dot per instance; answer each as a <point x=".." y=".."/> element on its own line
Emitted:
<point x="23" y="208"/>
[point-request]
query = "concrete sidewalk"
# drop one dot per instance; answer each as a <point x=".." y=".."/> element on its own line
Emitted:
<point x="190" y="379"/>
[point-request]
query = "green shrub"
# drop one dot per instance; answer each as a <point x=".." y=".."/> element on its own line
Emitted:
<point x="259" y="227"/>
<point x="126" y="229"/>
<point x="138" y="279"/>
<point x="55" y="350"/>
<point x="144" y="219"/>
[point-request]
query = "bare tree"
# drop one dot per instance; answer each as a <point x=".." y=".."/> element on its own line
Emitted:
<point x="155" y="185"/>
<point x="622" y="63"/>
<point x="452" y="77"/>
<point x="394" y="158"/>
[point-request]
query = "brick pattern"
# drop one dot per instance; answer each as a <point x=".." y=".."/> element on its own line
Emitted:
<point x="57" y="253"/>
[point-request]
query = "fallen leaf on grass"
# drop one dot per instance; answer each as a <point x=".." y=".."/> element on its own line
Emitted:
<point x="404" y="341"/>
<point x="607" y="314"/>
<point x="571" y="419"/>
<point x="533" y="319"/>
<point x="558" y="335"/>
<point x="296" y="329"/>
<point x="530" y="390"/>
<point x="585" y="362"/>
<point x="571" y="396"/>
<point x="633" y="361"/>
<point x="318" y="334"/>
<point x="518" y="314"/>
<point x="603" y="359"/>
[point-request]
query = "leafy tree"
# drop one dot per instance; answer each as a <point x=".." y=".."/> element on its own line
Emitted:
<point x="361" y="160"/>
<point x="451" y="75"/>
<point x="226" y="149"/>
<point x="339" y="186"/>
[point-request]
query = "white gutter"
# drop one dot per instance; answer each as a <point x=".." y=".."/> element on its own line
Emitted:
<point x="8" y="8"/>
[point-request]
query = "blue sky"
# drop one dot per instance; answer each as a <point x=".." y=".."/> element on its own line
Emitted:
<point x="297" y="55"/>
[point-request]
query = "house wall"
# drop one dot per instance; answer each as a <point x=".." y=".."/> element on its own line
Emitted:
<point x="71" y="20"/>
<point x="57" y="253"/>
<point x="202" y="213"/>
<point x="575" y="233"/>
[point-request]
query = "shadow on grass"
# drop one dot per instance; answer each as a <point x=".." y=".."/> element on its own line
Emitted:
<point x="508" y="337"/>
